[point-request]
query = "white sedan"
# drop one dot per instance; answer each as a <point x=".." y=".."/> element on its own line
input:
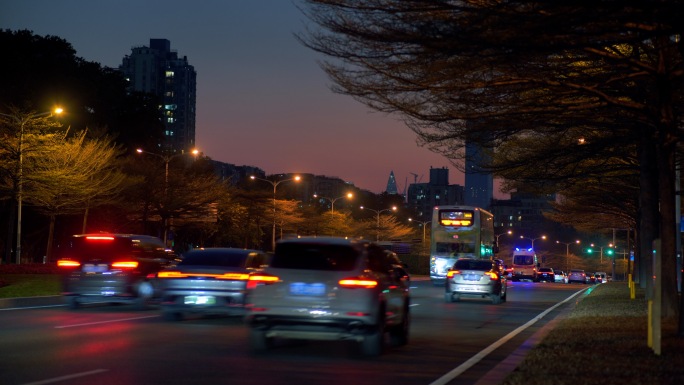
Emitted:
<point x="560" y="276"/>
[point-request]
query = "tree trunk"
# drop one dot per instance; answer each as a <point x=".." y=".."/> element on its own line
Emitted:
<point x="10" y="231"/>
<point x="668" y="275"/>
<point x="51" y="235"/>
<point x="648" y="215"/>
<point x="85" y="220"/>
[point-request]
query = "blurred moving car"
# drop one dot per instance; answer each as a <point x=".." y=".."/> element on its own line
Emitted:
<point x="601" y="277"/>
<point x="209" y="281"/>
<point x="399" y="266"/>
<point x="560" y="276"/>
<point x="479" y="278"/>
<point x="590" y="278"/>
<point x="328" y="288"/>
<point x="577" y="275"/>
<point x="112" y="268"/>
<point x="546" y="274"/>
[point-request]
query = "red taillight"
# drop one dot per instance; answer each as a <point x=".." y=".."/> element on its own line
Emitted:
<point x="255" y="280"/>
<point x="125" y="265"/>
<point x="357" y="282"/>
<point x="451" y="273"/>
<point x="66" y="263"/>
<point x="99" y="238"/>
<point x="493" y="276"/>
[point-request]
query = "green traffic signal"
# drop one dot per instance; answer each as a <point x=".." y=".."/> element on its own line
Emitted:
<point x="590" y="250"/>
<point x="610" y="252"/>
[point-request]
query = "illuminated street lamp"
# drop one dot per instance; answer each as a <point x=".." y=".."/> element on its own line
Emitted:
<point x="509" y="232"/>
<point x="275" y="185"/>
<point x="567" y="253"/>
<point x="422" y="223"/>
<point x="333" y="200"/>
<point x="22" y="120"/>
<point x="378" y="212"/>
<point x="166" y="158"/>
<point x="533" y="239"/>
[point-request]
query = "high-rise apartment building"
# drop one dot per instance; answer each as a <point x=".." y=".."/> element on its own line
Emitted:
<point x="479" y="185"/>
<point x="422" y="197"/>
<point x="157" y="70"/>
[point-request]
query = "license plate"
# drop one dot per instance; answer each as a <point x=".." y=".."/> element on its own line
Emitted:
<point x="471" y="277"/>
<point x="307" y="289"/>
<point x="199" y="300"/>
<point x="92" y="268"/>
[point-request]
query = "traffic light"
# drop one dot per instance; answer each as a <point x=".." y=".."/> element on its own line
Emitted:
<point x="610" y="251"/>
<point x="590" y="250"/>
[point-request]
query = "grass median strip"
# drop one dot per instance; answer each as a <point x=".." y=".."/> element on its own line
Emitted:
<point x="603" y="341"/>
<point x="29" y="285"/>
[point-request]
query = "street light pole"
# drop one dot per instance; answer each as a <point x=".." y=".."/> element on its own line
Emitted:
<point x="378" y="212"/>
<point x="567" y="253"/>
<point x="275" y="186"/>
<point x="166" y="159"/>
<point x="22" y="120"/>
<point x="533" y="239"/>
<point x="509" y="232"/>
<point x="333" y="200"/>
<point x="424" y="224"/>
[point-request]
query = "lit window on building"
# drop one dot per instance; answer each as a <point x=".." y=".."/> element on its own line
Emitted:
<point x="169" y="74"/>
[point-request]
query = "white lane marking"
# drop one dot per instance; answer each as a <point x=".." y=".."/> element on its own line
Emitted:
<point x="68" y="377"/>
<point x="30" y="307"/>
<point x="445" y="379"/>
<point x="104" y="322"/>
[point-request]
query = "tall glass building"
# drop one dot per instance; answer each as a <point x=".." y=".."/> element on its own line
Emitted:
<point x="479" y="185"/>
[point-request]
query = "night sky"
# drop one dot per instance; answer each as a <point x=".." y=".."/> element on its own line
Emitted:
<point x="262" y="100"/>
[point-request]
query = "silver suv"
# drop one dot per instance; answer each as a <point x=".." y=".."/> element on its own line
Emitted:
<point x="477" y="278"/>
<point x="330" y="289"/>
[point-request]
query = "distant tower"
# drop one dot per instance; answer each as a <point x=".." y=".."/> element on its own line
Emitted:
<point x="392" y="184"/>
<point x="158" y="70"/>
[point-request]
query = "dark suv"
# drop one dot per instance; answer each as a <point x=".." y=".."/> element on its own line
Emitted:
<point x="330" y="289"/>
<point x="112" y="268"/>
<point x="546" y="274"/>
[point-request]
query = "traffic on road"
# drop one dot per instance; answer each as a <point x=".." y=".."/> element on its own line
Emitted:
<point x="448" y="342"/>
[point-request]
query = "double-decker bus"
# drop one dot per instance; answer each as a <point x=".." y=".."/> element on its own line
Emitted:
<point x="459" y="232"/>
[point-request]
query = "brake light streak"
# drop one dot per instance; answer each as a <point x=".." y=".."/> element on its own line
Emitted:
<point x="68" y="263"/>
<point x="358" y="283"/>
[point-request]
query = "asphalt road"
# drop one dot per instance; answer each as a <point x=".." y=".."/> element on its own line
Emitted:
<point x="470" y="342"/>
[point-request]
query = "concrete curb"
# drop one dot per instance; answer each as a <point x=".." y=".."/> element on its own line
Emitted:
<point x="26" y="302"/>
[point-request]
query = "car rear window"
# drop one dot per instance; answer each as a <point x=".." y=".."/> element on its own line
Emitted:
<point x="213" y="258"/>
<point x="470" y="264"/>
<point x="311" y="256"/>
<point x="103" y="248"/>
